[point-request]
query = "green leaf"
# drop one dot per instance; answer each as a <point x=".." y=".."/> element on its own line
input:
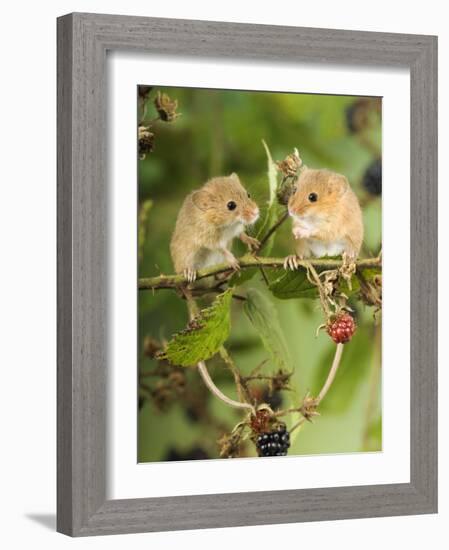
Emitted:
<point x="272" y="207"/>
<point x="263" y="315"/>
<point x="293" y="284"/>
<point x="267" y="220"/>
<point x="203" y="336"/>
<point x="242" y="276"/>
<point x="368" y="273"/>
<point x="272" y="175"/>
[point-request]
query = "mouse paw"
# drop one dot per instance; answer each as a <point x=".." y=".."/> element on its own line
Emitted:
<point x="234" y="264"/>
<point x="291" y="262"/>
<point x="253" y="244"/>
<point x="302" y="231"/>
<point x="190" y="274"/>
<point x="231" y="259"/>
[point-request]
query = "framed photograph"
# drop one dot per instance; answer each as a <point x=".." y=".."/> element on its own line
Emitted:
<point x="247" y="274"/>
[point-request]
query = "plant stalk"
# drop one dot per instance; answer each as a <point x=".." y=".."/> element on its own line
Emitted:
<point x="246" y="262"/>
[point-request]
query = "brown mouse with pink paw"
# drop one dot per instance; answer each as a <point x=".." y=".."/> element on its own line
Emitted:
<point x="326" y="217"/>
<point x="208" y="221"/>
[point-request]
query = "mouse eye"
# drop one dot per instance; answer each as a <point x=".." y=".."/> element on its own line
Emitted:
<point x="249" y="196"/>
<point x="313" y="197"/>
<point x="231" y="205"/>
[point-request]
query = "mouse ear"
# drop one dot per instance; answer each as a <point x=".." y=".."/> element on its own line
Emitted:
<point x="339" y="184"/>
<point x="200" y="199"/>
<point x="235" y="177"/>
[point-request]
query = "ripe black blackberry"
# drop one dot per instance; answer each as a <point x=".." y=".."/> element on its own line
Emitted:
<point x="372" y="179"/>
<point x="274" y="443"/>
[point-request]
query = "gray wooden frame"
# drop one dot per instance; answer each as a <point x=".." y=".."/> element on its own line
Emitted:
<point x="83" y="40"/>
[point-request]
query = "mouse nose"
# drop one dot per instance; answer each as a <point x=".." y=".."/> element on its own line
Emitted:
<point x="251" y="214"/>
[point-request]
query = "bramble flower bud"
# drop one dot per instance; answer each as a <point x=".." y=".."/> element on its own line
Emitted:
<point x="290" y="165"/>
<point x="166" y="107"/>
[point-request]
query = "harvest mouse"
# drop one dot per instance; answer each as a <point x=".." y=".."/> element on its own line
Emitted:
<point x="208" y="221"/>
<point x="327" y="219"/>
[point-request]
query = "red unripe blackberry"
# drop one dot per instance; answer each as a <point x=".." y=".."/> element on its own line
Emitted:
<point x="342" y="328"/>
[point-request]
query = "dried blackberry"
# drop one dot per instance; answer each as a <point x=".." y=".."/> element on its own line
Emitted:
<point x="146" y="141"/>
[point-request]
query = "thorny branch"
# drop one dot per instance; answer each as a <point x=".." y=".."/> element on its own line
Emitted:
<point x="247" y="262"/>
<point x="272" y="229"/>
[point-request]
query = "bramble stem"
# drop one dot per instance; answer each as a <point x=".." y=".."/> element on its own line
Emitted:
<point x="331" y="376"/>
<point x="272" y="229"/>
<point x="246" y="262"/>
<point x="327" y="384"/>
<point x="202" y="368"/>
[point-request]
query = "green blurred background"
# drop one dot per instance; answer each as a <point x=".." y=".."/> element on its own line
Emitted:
<point x="220" y="132"/>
